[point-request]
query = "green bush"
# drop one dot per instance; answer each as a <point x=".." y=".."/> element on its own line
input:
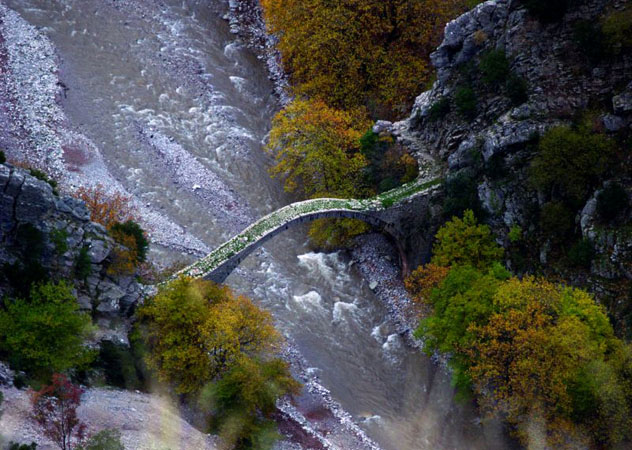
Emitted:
<point x="590" y="40"/>
<point x="494" y="66"/>
<point x="461" y="193"/>
<point x="465" y="102"/>
<point x="244" y="399"/>
<point x="44" y="334"/>
<point x="581" y="254"/>
<point x="617" y="30"/>
<point x="556" y="221"/>
<point x="517" y="89"/>
<point x="3" y="157"/>
<point x="19" y="381"/>
<point x="83" y="264"/>
<point x="131" y="228"/>
<point x="119" y="366"/>
<point x="570" y="162"/>
<point x="515" y="234"/>
<point x="548" y="11"/>
<point x="439" y="109"/>
<point x="27" y="271"/>
<point x="59" y="238"/>
<point x="18" y="446"/>
<point x="42" y="176"/>
<point x="612" y="201"/>
<point x="104" y="440"/>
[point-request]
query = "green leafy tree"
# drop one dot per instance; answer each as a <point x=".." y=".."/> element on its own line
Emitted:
<point x="570" y="162"/>
<point x="103" y="440"/>
<point x="197" y="330"/>
<point x="45" y="333"/>
<point x="317" y="150"/>
<point x="465" y="242"/>
<point x="244" y="399"/>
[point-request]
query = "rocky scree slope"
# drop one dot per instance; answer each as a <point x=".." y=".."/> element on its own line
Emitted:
<point x="51" y="232"/>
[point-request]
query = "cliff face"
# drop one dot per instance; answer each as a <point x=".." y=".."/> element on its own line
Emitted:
<point x="495" y="145"/>
<point x="41" y="232"/>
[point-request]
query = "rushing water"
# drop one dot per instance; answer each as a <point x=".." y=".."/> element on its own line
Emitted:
<point x="179" y="112"/>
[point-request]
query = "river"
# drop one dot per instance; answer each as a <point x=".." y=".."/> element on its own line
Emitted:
<point x="178" y="110"/>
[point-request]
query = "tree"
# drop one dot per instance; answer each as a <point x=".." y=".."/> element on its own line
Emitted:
<point x="372" y="53"/>
<point x="536" y="349"/>
<point x="44" y="334"/>
<point x="424" y="279"/>
<point x="465" y="242"/>
<point x="316" y="150"/>
<point x="55" y="410"/>
<point x="107" y="208"/>
<point x="570" y="162"/>
<point x="197" y="330"/>
<point x="103" y="440"/>
<point x="462" y="299"/>
<point x="244" y="399"/>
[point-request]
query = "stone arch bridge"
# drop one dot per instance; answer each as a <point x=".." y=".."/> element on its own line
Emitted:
<point x="382" y="212"/>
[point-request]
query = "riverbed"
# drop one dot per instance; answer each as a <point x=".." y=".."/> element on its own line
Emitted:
<point x="158" y="99"/>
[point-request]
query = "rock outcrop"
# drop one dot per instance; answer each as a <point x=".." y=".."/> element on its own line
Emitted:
<point x="55" y="233"/>
<point x="494" y="146"/>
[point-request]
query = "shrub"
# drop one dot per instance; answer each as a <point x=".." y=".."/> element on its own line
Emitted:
<point x="439" y="109"/>
<point x="43" y="177"/>
<point x="424" y="279"/>
<point x="590" y="40"/>
<point x="59" y="238"/>
<point x="103" y="440"/>
<point x="494" y="66"/>
<point x="330" y="234"/>
<point x="465" y="242"/>
<point x="18" y="446"/>
<point x="83" y="264"/>
<point x="515" y="234"/>
<point x="107" y="208"/>
<point x="617" y="29"/>
<point x="461" y="193"/>
<point x="548" y="11"/>
<point x="3" y="157"/>
<point x="118" y="364"/>
<point x="55" y="410"/>
<point x="571" y="161"/>
<point x="556" y="221"/>
<point x="581" y="254"/>
<point x="132" y="229"/>
<point x="517" y="89"/>
<point x="44" y="334"/>
<point x="612" y="201"/>
<point x="465" y="101"/>
<point x="244" y="400"/>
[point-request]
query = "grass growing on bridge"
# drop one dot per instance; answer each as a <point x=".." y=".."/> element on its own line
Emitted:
<point x="294" y="211"/>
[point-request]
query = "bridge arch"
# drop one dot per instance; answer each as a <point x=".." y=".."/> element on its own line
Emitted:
<point x="219" y="264"/>
<point x="223" y="270"/>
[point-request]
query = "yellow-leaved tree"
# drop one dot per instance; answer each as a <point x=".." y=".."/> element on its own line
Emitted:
<point x="350" y="53"/>
<point x="316" y="150"/>
<point x="197" y="330"/>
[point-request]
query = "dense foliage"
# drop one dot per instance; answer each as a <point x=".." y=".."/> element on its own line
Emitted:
<point x="359" y="54"/>
<point x="207" y="342"/>
<point x="197" y="330"/>
<point x="55" y="411"/>
<point x="541" y="355"/>
<point x="44" y="333"/>
<point x="571" y="161"/>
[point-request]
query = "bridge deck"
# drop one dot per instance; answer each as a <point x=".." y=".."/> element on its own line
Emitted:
<point x="255" y="234"/>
